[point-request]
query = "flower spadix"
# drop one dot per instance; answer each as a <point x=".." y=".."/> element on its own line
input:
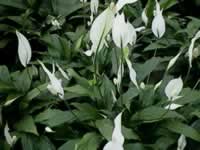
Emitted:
<point x="191" y="48"/>
<point x="99" y="30"/>
<point x="55" y="85"/>
<point x="123" y="33"/>
<point x="172" y="91"/>
<point x="24" y="49"/>
<point x="158" y="24"/>
<point x="117" y="140"/>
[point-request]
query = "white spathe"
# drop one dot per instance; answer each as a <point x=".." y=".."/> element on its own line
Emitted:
<point x="99" y="30"/>
<point x="173" y="106"/>
<point x="55" y="85"/>
<point x="9" y="139"/>
<point x="144" y="17"/>
<point x="117" y="137"/>
<point x="173" y="88"/>
<point x="191" y="48"/>
<point x="120" y="4"/>
<point x="123" y="33"/>
<point x="158" y="24"/>
<point x="173" y="60"/>
<point x="94" y="5"/>
<point x="120" y="73"/>
<point x="132" y="73"/>
<point x="181" y="142"/>
<point x="24" y="49"/>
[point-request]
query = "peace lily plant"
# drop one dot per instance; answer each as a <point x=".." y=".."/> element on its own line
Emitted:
<point x="110" y="49"/>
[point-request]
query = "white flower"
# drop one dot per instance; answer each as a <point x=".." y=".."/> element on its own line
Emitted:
<point x="132" y="73"/>
<point x="157" y="85"/>
<point x="173" y="106"/>
<point x="173" y="88"/>
<point x="117" y="137"/>
<point x="120" y="74"/>
<point x="139" y="29"/>
<point x="144" y="17"/>
<point x="99" y="30"/>
<point x="158" y="24"/>
<point x="9" y="139"/>
<point x="24" y="49"/>
<point x="49" y="130"/>
<point x="142" y="85"/>
<point x="62" y="72"/>
<point x="123" y="33"/>
<point x="55" y="85"/>
<point x="94" y="5"/>
<point x="173" y="60"/>
<point x="120" y="4"/>
<point x="191" y="48"/>
<point x="172" y="91"/>
<point x="181" y="142"/>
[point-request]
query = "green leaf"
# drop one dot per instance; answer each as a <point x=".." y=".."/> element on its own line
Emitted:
<point x="27" y="125"/>
<point x="13" y="3"/>
<point x="105" y="127"/>
<point x="22" y="80"/>
<point x="54" y="117"/>
<point x="166" y="4"/>
<point x="86" y="112"/>
<point x="60" y="7"/>
<point x="189" y="96"/>
<point x="4" y="74"/>
<point x="69" y="145"/>
<point x="90" y="141"/>
<point x="143" y="70"/>
<point x="31" y="142"/>
<point x="154" y="114"/>
<point x="181" y="128"/>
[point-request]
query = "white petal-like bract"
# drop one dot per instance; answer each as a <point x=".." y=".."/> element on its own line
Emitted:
<point x="144" y="17"/>
<point x="123" y="33"/>
<point x="120" y="4"/>
<point x="94" y="5"/>
<point x="64" y="74"/>
<point x="173" y="88"/>
<point x="55" y="85"/>
<point x="191" y="48"/>
<point x="173" y="60"/>
<point x="173" y="106"/>
<point x="132" y="73"/>
<point x="117" y="137"/>
<point x="24" y="49"/>
<point x="9" y="139"/>
<point x="158" y="24"/>
<point x="100" y="29"/>
<point x="181" y="142"/>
